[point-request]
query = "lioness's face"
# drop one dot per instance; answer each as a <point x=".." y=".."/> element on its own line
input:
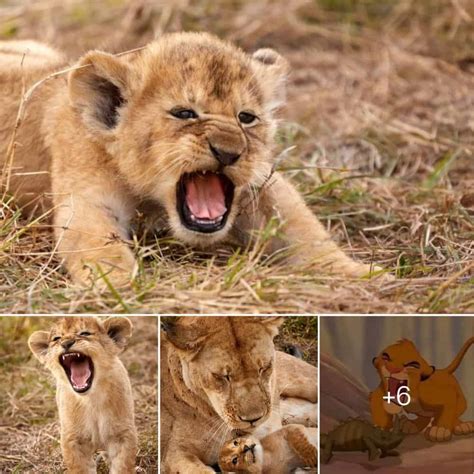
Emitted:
<point x="79" y="351"/>
<point x="400" y="366"/>
<point x="190" y="124"/>
<point x="232" y="368"/>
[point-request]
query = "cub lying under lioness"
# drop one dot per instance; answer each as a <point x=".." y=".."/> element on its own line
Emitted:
<point x="93" y="391"/>
<point x="280" y="452"/>
<point x="183" y="128"/>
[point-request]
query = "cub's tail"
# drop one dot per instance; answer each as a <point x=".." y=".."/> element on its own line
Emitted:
<point x="457" y="360"/>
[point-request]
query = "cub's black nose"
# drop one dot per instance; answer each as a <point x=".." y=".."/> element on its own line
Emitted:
<point x="226" y="158"/>
<point x="67" y="344"/>
<point x="249" y="448"/>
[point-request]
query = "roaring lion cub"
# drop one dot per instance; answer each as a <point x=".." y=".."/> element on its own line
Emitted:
<point x="93" y="393"/>
<point x="220" y="378"/>
<point x="435" y="394"/>
<point x="280" y="452"/>
<point x="182" y="128"/>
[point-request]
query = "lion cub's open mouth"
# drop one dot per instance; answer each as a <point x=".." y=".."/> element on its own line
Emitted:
<point x="204" y="200"/>
<point x="79" y="370"/>
<point x="394" y="385"/>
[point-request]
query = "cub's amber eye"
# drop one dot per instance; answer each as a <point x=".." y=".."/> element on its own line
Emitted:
<point x="183" y="114"/>
<point x="84" y="333"/>
<point x="236" y="443"/>
<point x="56" y="338"/>
<point x="234" y="460"/>
<point x="247" y="118"/>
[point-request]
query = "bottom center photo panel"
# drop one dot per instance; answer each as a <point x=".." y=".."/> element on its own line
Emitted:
<point x="238" y="394"/>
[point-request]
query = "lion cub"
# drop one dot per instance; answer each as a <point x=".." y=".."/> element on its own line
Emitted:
<point x="93" y="394"/>
<point x="281" y="452"/>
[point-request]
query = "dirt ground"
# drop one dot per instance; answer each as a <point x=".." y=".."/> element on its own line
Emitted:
<point x="377" y="135"/>
<point x="29" y="428"/>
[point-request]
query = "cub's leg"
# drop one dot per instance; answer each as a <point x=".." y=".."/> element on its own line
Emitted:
<point x="122" y="454"/>
<point x="91" y="220"/>
<point x="308" y="241"/>
<point x="78" y="455"/>
<point x="298" y="438"/>
<point x="445" y="417"/>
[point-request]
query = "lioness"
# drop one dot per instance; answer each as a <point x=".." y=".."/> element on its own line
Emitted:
<point x="434" y="394"/>
<point x="93" y="391"/>
<point x="280" y="452"/>
<point x="182" y="128"/>
<point x="221" y="377"/>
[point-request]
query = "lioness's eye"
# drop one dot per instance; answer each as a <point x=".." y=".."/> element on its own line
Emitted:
<point x="234" y="460"/>
<point x="184" y="114"/>
<point x="84" y="333"/>
<point x="236" y="443"/>
<point x="56" y="338"/>
<point x="247" y="118"/>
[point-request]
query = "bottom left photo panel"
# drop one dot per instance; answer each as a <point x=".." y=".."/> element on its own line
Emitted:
<point x="45" y="362"/>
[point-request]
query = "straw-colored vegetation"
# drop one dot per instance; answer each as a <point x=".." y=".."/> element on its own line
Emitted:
<point x="378" y="135"/>
<point x="29" y="428"/>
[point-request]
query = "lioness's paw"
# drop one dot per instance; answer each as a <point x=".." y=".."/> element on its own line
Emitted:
<point x="438" y="433"/>
<point x="464" y="428"/>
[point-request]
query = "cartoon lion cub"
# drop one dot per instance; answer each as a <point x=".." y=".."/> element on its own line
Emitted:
<point x="93" y="391"/>
<point x="434" y="394"/>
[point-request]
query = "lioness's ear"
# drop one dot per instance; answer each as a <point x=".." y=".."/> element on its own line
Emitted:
<point x="119" y="329"/>
<point x="38" y="344"/>
<point x="99" y="88"/>
<point x="184" y="333"/>
<point x="272" y="323"/>
<point x="273" y="70"/>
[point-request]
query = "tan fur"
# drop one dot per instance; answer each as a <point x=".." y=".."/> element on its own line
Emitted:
<point x="200" y="407"/>
<point x="435" y="394"/>
<point x="280" y="452"/>
<point x="104" y="144"/>
<point x="101" y="418"/>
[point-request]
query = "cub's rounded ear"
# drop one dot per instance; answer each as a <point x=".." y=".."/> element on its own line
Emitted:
<point x="99" y="88"/>
<point x="272" y="69"/>
<point x="38" y="344"/>
<point x="119" y="329"/>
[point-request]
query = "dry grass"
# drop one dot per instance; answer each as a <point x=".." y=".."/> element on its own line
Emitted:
<point x="29" y="430"/>
<point x="381" y="115"/>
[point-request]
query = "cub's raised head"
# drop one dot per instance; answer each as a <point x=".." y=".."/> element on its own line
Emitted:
<point x="188" y="121"/>
<point x="229" y="363"/>
<point x="401" y="365"/>
<point x="242" y="455"/>
<point x="81" y="351"/>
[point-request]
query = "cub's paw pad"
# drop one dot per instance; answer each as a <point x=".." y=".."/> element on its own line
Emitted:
<point x="438" y="433"/>
<point x="464" y="428"/>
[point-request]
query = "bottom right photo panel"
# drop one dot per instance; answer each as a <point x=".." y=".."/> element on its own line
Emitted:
<point x="396" y="394"/>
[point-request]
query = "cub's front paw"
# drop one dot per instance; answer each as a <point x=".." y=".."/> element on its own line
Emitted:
<point x="438" y="434"/>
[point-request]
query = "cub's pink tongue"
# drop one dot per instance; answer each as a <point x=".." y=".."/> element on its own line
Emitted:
<point x="80" y="372"/>
<point x="205" y="196"/>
